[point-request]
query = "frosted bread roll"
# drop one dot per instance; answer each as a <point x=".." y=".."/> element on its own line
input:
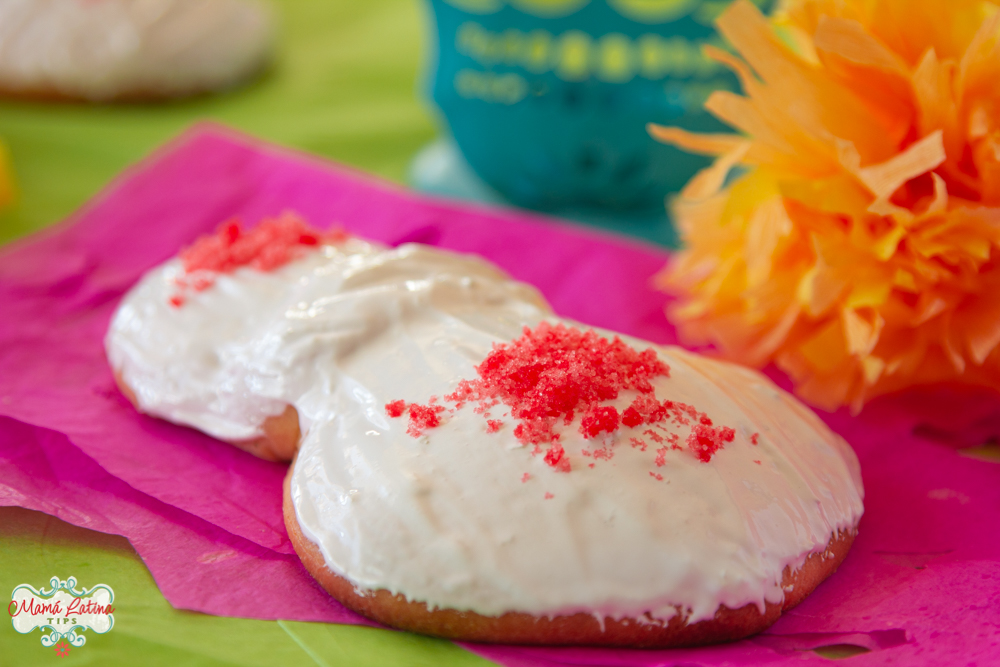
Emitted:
<point x="214" y="342"/>
<point x="473" y="466"/>
<point x="102" y="50"/>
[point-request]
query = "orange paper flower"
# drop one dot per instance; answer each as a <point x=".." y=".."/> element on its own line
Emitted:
<point x="858" y="249"/>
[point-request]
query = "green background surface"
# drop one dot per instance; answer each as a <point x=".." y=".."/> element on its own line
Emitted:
<point x="342" y="86"/>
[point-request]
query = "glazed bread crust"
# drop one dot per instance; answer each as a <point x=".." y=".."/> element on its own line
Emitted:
<point x="581" y="629"/>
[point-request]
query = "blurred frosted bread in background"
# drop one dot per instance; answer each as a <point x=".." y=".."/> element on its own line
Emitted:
<point x="107" y="50"/>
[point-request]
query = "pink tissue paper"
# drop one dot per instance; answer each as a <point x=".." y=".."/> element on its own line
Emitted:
<point x="921" y="585"/>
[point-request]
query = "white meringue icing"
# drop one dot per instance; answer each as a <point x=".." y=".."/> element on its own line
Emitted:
<point x="104" y="49"/>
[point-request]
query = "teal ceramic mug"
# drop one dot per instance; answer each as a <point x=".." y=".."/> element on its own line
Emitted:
<point x="548" y="99"/>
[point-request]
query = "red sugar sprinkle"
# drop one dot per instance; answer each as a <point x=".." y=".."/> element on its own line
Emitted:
<point x="484" y="406"/>
<point x="754" y="438"/>
<point x="267" y="246"/>
<point x="525" y="477"/>
<point x="656" y="476"/>
<point x="599" y="419"/>
<point x="704" y="440"/>
<point x="631" y="417"/>
<point x="395" y="408"/>
<point x="554" y="371"/>
<point x="271" y="244"/>
<point x="535" y="433"/>
<point x="757" y="462"/>
<point x="591" y="465"/>
<point x="674" y="440"/>
<point x="646" y="409"/>
<point x="556" y="457"/>
<point x="423" y="417"/>
<point x="201" y="283"/>
<point x="604" y="453"/>
<point x="661" y="457"/>
<point x="176" y="301"/>
<point x="681" y="412"/>
<point x="548" y="495"/>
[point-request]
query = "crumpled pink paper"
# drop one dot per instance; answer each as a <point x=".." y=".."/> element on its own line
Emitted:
<point x="920" y="587"/>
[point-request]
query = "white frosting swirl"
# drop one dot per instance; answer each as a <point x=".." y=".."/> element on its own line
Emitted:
<point x="103" y="49"/>
<point x="449" y="518"/>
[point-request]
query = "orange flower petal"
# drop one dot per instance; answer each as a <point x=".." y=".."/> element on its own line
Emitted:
<point x="861" y="250"/>
<point x="703" y="144"/>
<point x="921" y="157"/>
<point x="826" y="351"/>
<point x="848" y="39"/>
